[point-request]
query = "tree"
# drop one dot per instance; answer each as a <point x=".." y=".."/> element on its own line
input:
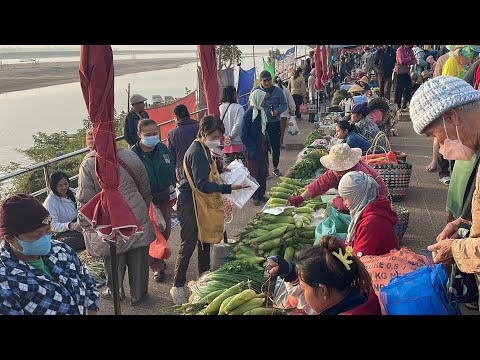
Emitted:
<point x="48" y="146"/>
<point x="227" y="54"/>
<point x="273" y="54"/>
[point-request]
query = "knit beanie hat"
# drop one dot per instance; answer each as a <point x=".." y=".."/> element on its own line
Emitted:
<point x="436" y="96"/>
<point x="22" y="213"/>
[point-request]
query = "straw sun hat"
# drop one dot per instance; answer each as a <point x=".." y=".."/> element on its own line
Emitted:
<point x="341" y="157"/>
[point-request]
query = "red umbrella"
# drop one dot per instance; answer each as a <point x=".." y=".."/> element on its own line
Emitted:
<point x="108" y="212"/>
<point x="208" y="62"/>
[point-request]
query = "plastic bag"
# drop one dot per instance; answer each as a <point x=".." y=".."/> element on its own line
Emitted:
<point x="158" y="218"/>
<point x="240" y="197"/>
<point x="420" y="292"/>
<point x="159" y="248"/>
<point x="335" y="224"/>
<point x="237" y="175"/>
<point x="384" y="267"/>
<point x="293" y="128"/>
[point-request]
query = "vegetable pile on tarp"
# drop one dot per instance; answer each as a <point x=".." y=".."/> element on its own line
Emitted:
<point x="238" y="299"/>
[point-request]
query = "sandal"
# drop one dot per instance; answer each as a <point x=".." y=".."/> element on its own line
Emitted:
<point x="159" y="276"/>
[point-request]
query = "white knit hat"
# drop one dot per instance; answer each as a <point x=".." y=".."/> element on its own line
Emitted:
<point x="436" y="96"/>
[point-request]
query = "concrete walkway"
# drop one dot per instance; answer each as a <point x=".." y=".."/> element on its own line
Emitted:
<point x="425" y="199"/>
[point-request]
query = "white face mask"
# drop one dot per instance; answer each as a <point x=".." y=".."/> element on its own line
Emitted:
<point x="212" y="144"/>
<point x="454" y="149"/>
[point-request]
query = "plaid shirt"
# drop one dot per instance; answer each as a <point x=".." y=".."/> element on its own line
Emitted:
<point x="25" y="290"/>
<point x="368" y="129"/>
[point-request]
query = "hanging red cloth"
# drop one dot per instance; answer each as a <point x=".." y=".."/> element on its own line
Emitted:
<point x="208" y="63"/>
<point x="318" y="68"/>
<point x="108" y="212"/>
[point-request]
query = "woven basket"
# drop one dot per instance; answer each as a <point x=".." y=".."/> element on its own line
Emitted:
<point x="395" y="176"/>
<point x="402" y="223"/>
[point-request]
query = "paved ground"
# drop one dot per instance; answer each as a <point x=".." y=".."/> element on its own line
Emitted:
<point x="425" y="199"/>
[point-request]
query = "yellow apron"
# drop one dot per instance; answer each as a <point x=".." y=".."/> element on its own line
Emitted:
<point x="208" y="207"/>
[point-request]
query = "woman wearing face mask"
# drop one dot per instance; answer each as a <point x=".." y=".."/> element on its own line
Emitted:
<point x="204" y="176"/>
<point x="328" y="280"/>
<point x="371" y="229"/>
<point x="62" y="206"/>
<point x="39" y="276"/>
<point x="161" y="174"/>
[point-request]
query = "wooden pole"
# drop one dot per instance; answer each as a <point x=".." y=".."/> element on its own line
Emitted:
<point x="295" y="57"/>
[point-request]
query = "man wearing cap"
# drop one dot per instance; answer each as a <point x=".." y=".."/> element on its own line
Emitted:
<point x="38" y="275"/>
<point x="274" y="105"/>
<point x="137" y="113"/>
<point x="448" y="109"/>
<point x="341" y="160"/>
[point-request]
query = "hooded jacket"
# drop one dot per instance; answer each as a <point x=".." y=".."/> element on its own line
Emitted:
<point x="374" y="233"/>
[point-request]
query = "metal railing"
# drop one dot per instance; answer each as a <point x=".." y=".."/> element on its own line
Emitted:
<point x="45" y="164"/>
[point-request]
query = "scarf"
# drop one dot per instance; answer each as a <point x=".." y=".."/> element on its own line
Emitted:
<point x="464" y="56"/>
<point x="256" y="100"/>
<point x="362" y="189"/>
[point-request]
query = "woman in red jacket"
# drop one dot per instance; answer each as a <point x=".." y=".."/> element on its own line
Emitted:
<point x="328" y="280"/>
<point x="371" y="229"/>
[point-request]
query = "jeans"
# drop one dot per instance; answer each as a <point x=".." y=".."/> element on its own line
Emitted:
<point x="298" y="101"/>
<point x="443" y="166"/>
<point x="273" y="129"/>
<point x="403" y="88"/>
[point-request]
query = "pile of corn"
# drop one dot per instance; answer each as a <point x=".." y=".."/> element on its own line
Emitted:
<point x="236" y="300"/>
<point x="285" y="234"/>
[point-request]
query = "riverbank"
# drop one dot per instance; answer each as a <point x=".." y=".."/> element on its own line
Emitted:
<point x="31" y="76"/>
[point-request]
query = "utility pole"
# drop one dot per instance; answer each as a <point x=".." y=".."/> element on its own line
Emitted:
<point x="128" y="97"/>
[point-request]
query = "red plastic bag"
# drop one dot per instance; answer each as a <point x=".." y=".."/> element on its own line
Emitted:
<point x="159" y="248"/>
<point x="381" y="158"/>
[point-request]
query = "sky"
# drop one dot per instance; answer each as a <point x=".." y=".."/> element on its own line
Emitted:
<point x="244" y="48"/>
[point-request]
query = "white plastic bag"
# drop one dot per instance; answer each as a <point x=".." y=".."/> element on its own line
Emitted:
<point x="293" y="128"/>
<point x="159" y="219"/>
<point x="237" y="175"/>
<point x="240" y="197"/>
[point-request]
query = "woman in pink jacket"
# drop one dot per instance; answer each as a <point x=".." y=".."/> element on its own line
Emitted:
<point x="341" y="160"/>
<point x="404" y="59"/>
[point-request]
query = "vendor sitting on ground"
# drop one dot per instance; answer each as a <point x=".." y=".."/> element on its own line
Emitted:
<point x="363" y="82"/>
<point x="340" y="161"/>
<point x="328" y="280"/>
<point x="370" y="231"/>
<point x="346" y="131"/>
<point x="62" y="206"/>
<point x="365" y="124"/>
<point x="39" y="276"/>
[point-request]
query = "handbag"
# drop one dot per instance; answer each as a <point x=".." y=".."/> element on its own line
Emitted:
<point x="209" y="208"/>
<point x="402" y="69"/>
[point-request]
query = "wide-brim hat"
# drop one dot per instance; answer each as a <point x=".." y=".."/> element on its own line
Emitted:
<point x="355" y="88"/>
<point x="364" y="79"/>
<point x="341" y="157"/>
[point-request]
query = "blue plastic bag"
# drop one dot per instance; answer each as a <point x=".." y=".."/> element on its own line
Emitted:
<point x="335" y="224"/>
<point x="420" y="292"/>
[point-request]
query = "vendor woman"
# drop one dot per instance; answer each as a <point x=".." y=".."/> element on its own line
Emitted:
<point x="341" y="160"/>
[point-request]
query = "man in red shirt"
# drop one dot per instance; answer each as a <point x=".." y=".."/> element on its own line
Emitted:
<point x="341" y="160"/>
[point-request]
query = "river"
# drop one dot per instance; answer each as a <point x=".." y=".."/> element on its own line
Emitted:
<point x="62" y="107"/>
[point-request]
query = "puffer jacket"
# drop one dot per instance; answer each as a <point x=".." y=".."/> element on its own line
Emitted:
<point x="466" y="252"/>
<point x="137" y="199"/>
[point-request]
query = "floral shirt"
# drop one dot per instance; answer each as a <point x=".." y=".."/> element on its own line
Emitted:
<point x="24" y="290"/>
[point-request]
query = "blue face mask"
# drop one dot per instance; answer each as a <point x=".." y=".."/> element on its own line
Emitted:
<point x="151" y="141"/>
<point x="40" y="247"/>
